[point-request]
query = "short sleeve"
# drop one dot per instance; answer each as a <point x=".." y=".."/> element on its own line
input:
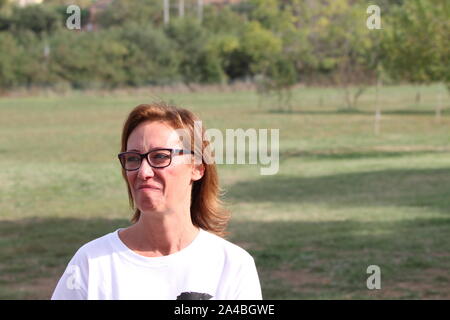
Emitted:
<point x="73" y="283"/>
<point x="248" y="286"/>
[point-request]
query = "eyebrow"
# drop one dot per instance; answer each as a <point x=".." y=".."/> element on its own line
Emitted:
<point x="157" y="148"/>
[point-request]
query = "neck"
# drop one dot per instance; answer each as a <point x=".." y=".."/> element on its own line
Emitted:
<point x="161" y="235"/>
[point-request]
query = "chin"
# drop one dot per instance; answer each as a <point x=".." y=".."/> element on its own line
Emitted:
<point x="152" y="208"/>
<point x="149" y="203"/>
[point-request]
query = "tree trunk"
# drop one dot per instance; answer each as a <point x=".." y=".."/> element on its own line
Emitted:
<point x="181" y="8"/>
<point x="348" y="98"/>
<point x="352" y="98"/>
<point x="377" y="108"/>
<point x="439" y="106"/>
<point x="166" y="11"/>
<point x="357" y="95"/>
<point x="418" y="95"/>
<point x="200" y="10"/>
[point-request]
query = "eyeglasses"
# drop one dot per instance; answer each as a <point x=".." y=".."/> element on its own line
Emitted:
<point x="156" y="158"/>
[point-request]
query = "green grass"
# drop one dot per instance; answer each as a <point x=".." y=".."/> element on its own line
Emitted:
<point x="344" y="198"/>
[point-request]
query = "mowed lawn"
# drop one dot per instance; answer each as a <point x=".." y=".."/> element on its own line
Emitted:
<point x="343" y="199"/>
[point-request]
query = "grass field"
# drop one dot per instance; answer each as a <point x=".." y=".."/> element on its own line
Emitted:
<point x="343" y="199"/>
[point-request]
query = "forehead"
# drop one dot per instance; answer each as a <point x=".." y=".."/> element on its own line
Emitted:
<point x="148" y="135"/>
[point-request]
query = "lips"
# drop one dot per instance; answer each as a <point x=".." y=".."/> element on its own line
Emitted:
<point x="145" y="186"/>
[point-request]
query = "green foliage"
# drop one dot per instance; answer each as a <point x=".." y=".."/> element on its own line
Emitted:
<point x="9" y="53"/>
<point x="260" y="45"/>
<point x="279" y="41"/>
<point x="341" y="39"/>
<point x="88" y="59"/>
<point x="219" y="21"/>
<point x="270" y="15"/>
<point x="22" y="61"/>
<point x="81" y="3"/>
<point x="120" y="12"/>
<point x="225" y="49"/>
<point x="62" y="11"/>
<point x="151" y="57"/>
<point x="35" y="66"/>
<point x="277" y="79"/>
<point x="416" y="42"/>
<point x="197" y="64"/>
<point x="5" y="23"/>
<point x="37" y="18"/>
<point x="344" y="47"/>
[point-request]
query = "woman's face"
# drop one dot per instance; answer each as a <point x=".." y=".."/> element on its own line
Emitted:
<point x="168" y="189"/>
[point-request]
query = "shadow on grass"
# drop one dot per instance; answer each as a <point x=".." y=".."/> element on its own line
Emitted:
<point x="313" y="260"/>
<point x="352" y="111"/>
<point x="342" y="154"/>
<point x="396" y="187"/>
<point x="35" y="252"/>
<point x="295" y="259"/>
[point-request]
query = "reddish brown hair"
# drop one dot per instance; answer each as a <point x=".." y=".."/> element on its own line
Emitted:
<point x="207" y="211"/>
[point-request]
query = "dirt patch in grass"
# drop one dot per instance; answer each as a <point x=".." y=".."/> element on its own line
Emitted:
<point x="434" y="283"/>
<point x="300" y="279"/>
<point x="35" y="289"/>
<point x="23" y="285"/>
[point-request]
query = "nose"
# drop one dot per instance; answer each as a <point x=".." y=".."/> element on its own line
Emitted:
<point x="145" y="171"/>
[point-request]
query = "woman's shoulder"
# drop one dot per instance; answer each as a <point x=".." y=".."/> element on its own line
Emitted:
<point x="230" y="249"/>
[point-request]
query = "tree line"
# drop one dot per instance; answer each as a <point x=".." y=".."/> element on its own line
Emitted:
<point x="272" y="43"/>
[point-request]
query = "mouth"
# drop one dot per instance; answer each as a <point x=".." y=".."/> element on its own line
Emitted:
<point x="149" y="187"/>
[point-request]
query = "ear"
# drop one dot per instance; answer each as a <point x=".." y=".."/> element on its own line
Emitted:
<point x="198" y="170"/>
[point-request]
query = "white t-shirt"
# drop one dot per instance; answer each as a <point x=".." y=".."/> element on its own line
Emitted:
<point x="208" y="268"/>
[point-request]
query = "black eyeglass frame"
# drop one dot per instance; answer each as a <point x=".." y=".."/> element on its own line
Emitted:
<point x="145" y="155"/>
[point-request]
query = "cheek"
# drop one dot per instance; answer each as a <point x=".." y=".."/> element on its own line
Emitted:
<point x="178" y="177"/>
<point x="181" y="179"/>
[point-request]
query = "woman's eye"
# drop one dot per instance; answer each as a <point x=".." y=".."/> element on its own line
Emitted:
<point x="133" y="159"/>
<point x="160" y="156"/>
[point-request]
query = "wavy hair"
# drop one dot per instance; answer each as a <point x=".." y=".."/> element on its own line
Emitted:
<point x="207" y="211"/>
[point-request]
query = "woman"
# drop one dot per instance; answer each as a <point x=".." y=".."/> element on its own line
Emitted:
<point x="174" y="248"/>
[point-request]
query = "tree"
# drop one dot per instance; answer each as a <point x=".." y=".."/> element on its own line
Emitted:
<point x="260" y="45"/>
<point x="222" y="20"/>
<point x="272" y="70"/>
<point x="197" y="64"/>
<point x="275" y="47"/>
<point x="278" y="78"/>
<point x="271" y="15"/>
<point x="40" y="19"/>
<point x="344" y="47"/>
<point x="440" y="69"/>
<point x="88" y="59"/>
<point x="9" y="53"/>
<point x="142" y="12"/>
<point x="151" y="56"/>
<point x="415" y="42"/>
